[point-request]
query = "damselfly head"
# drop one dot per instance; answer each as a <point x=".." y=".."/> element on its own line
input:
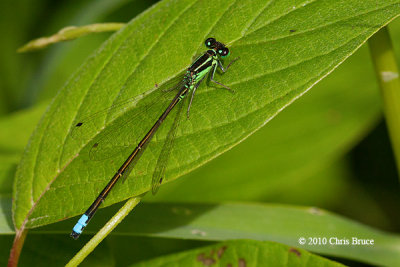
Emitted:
<point x="211" y="43"/>
<point x="223" y="51"/>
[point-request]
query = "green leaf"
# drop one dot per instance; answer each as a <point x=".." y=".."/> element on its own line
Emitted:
<point x="241" y="253"/>
<point x="285" y="49"/>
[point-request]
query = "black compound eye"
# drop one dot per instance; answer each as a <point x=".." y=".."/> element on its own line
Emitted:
<point x="210" y="42"/>
<point x="223" y="52"/>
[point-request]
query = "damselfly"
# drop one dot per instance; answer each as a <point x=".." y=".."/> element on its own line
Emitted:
<point x="195" y="74"/>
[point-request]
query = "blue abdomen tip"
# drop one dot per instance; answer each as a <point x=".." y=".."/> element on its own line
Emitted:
<point x="82" y="222"/>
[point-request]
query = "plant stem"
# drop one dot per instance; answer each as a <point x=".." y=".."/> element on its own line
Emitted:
<point x="17" y="247"/>
<point x="384" y="60"/>
<point x="110" y="225"/>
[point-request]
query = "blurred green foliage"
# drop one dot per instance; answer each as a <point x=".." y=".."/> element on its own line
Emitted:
<point x="329" y="149"/>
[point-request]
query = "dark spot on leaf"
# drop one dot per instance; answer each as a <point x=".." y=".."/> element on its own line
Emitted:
<point x="95" y="144"/>
<point x="79" y="124"/>
<point x="156" y="85"/>
<point x="221" y="251"/>
<point x="292" y="30"/>
<point x="229" y="265"/>
<point x="161" y="180"/>
<point x="242" y="263"/>
<point x="200" y="257"/>
<point x="207" y="261"/>
<point x="295" y="251"/>
<point x="212" y="253"/>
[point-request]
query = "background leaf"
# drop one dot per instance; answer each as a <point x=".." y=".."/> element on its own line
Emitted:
<point x="280" y="223"/>
<point x="279" y="63"/>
